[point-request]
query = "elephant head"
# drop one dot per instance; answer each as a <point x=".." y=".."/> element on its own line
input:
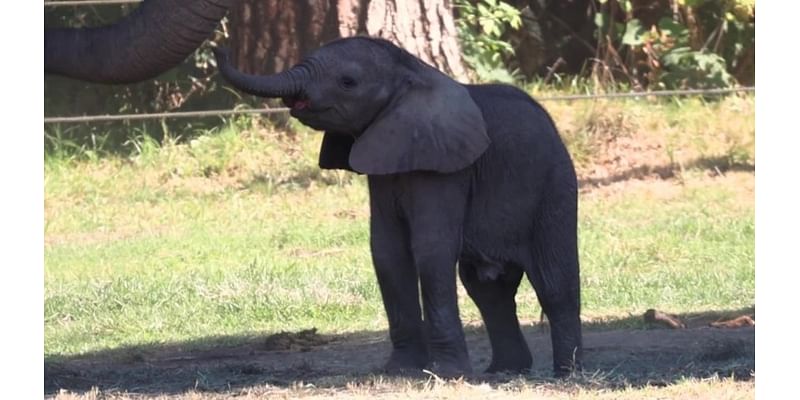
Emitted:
<point x="383" y="110"/>
<point x="155" y="37"/>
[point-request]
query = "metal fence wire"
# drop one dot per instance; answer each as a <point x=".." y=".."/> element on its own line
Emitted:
<point x="88" y="2"/>
<point x="211" y="113"/>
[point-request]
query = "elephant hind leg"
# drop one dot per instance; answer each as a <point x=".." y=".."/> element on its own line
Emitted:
<point x="554" y="275"/>
<point x="495" y="301"/>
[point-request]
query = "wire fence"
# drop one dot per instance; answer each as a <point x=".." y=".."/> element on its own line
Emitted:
<point x="88" y="2"/>
<point x="142" y="116"/>
<point x="262" y="111"/>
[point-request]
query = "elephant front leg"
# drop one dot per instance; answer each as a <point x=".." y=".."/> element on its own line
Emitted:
<point x="416" y="227"/>
<point x="436" y="260"/>
<point x="398" y="281"/>
<point x="435" y="207"/>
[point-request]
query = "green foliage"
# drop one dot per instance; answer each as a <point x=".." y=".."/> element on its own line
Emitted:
<point x="674" y="64"/>
<point x="481" y="28"/>
<point x="643" y="44"/>
<point x="687" y="50"/>
<point x="685" y="68"/>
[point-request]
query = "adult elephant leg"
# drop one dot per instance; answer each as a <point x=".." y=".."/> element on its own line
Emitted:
<point x="398" y="280"/>
<point x="495" y="301"/>
<point x="435" y="213"/>
<point x="555" y="275"/>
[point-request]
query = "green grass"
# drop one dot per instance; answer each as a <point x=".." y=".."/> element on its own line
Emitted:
<point x="691" y="252"/>
<point x="238" y="233"/>
<point x="212" y="265"/>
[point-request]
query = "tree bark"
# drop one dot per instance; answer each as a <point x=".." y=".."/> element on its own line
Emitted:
<point x="268" y="36"/>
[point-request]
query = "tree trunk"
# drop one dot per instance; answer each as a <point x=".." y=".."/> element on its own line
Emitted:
<point x="268" y="36"/>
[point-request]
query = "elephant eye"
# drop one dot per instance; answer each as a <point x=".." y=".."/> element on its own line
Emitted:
<point x="347" y="82"/>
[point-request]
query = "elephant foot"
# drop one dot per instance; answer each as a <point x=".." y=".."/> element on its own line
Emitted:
<point x="520" y="362"/>
<point x="566" y="371"/>
<point x="565" y="333"/>
<point x="567" y="368"/>
<point x="406" y="361"/>
<point x="449" y="369"/>
<point x="450" y="362"/>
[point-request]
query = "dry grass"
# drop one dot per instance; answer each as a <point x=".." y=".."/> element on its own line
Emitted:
<point x="433" y="388"/>
<point x="610" y="138"/>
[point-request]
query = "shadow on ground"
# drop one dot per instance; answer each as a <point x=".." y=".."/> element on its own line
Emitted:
<point x="618" y="353"/>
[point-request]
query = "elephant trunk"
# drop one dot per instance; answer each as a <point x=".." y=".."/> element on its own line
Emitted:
<point x="155" y="37"/>
<point x="287" y="84"/>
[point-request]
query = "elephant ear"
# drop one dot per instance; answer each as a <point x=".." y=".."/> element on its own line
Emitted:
<point x="429" y="126"/>
<point x="335" y="151"/>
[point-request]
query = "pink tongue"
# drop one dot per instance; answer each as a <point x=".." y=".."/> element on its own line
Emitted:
<point x="301" y="104"/>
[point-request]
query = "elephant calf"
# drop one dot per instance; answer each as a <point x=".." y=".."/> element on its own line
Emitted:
<point x="474" y="175"/>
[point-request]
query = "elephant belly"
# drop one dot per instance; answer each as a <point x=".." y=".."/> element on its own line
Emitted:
<point x="491" y="251"/>
<point x="499" y="226"/>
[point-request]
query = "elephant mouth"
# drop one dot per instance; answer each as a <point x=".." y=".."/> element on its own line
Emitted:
<point x="318" y="118"/>
<point x="297" y="103"/>
<point x="302" y="107"/>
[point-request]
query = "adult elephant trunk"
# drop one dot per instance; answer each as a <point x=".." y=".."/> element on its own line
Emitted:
<point x="155" y="37"/>
<point x="287" y="84"/>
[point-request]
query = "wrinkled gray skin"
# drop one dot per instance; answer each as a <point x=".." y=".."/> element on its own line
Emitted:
<point x="155" y="37"/>
<point x="469" y="174"/>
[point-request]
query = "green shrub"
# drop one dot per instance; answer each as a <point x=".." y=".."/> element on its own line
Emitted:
<point x="481" y="27"/>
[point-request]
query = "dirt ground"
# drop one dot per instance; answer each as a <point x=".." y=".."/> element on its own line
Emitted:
<point x="614" y="358"/>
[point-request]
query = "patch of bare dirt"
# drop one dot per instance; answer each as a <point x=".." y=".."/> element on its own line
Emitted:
<point x="613" y="358"/>
<point x="625" y="155"/>
<point x="623" y="158"/>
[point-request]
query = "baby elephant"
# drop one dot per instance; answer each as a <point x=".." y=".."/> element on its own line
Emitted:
<point x="469" y="174"/>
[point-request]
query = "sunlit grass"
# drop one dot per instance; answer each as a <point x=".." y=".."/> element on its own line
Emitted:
<point x="238" y="232"/>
